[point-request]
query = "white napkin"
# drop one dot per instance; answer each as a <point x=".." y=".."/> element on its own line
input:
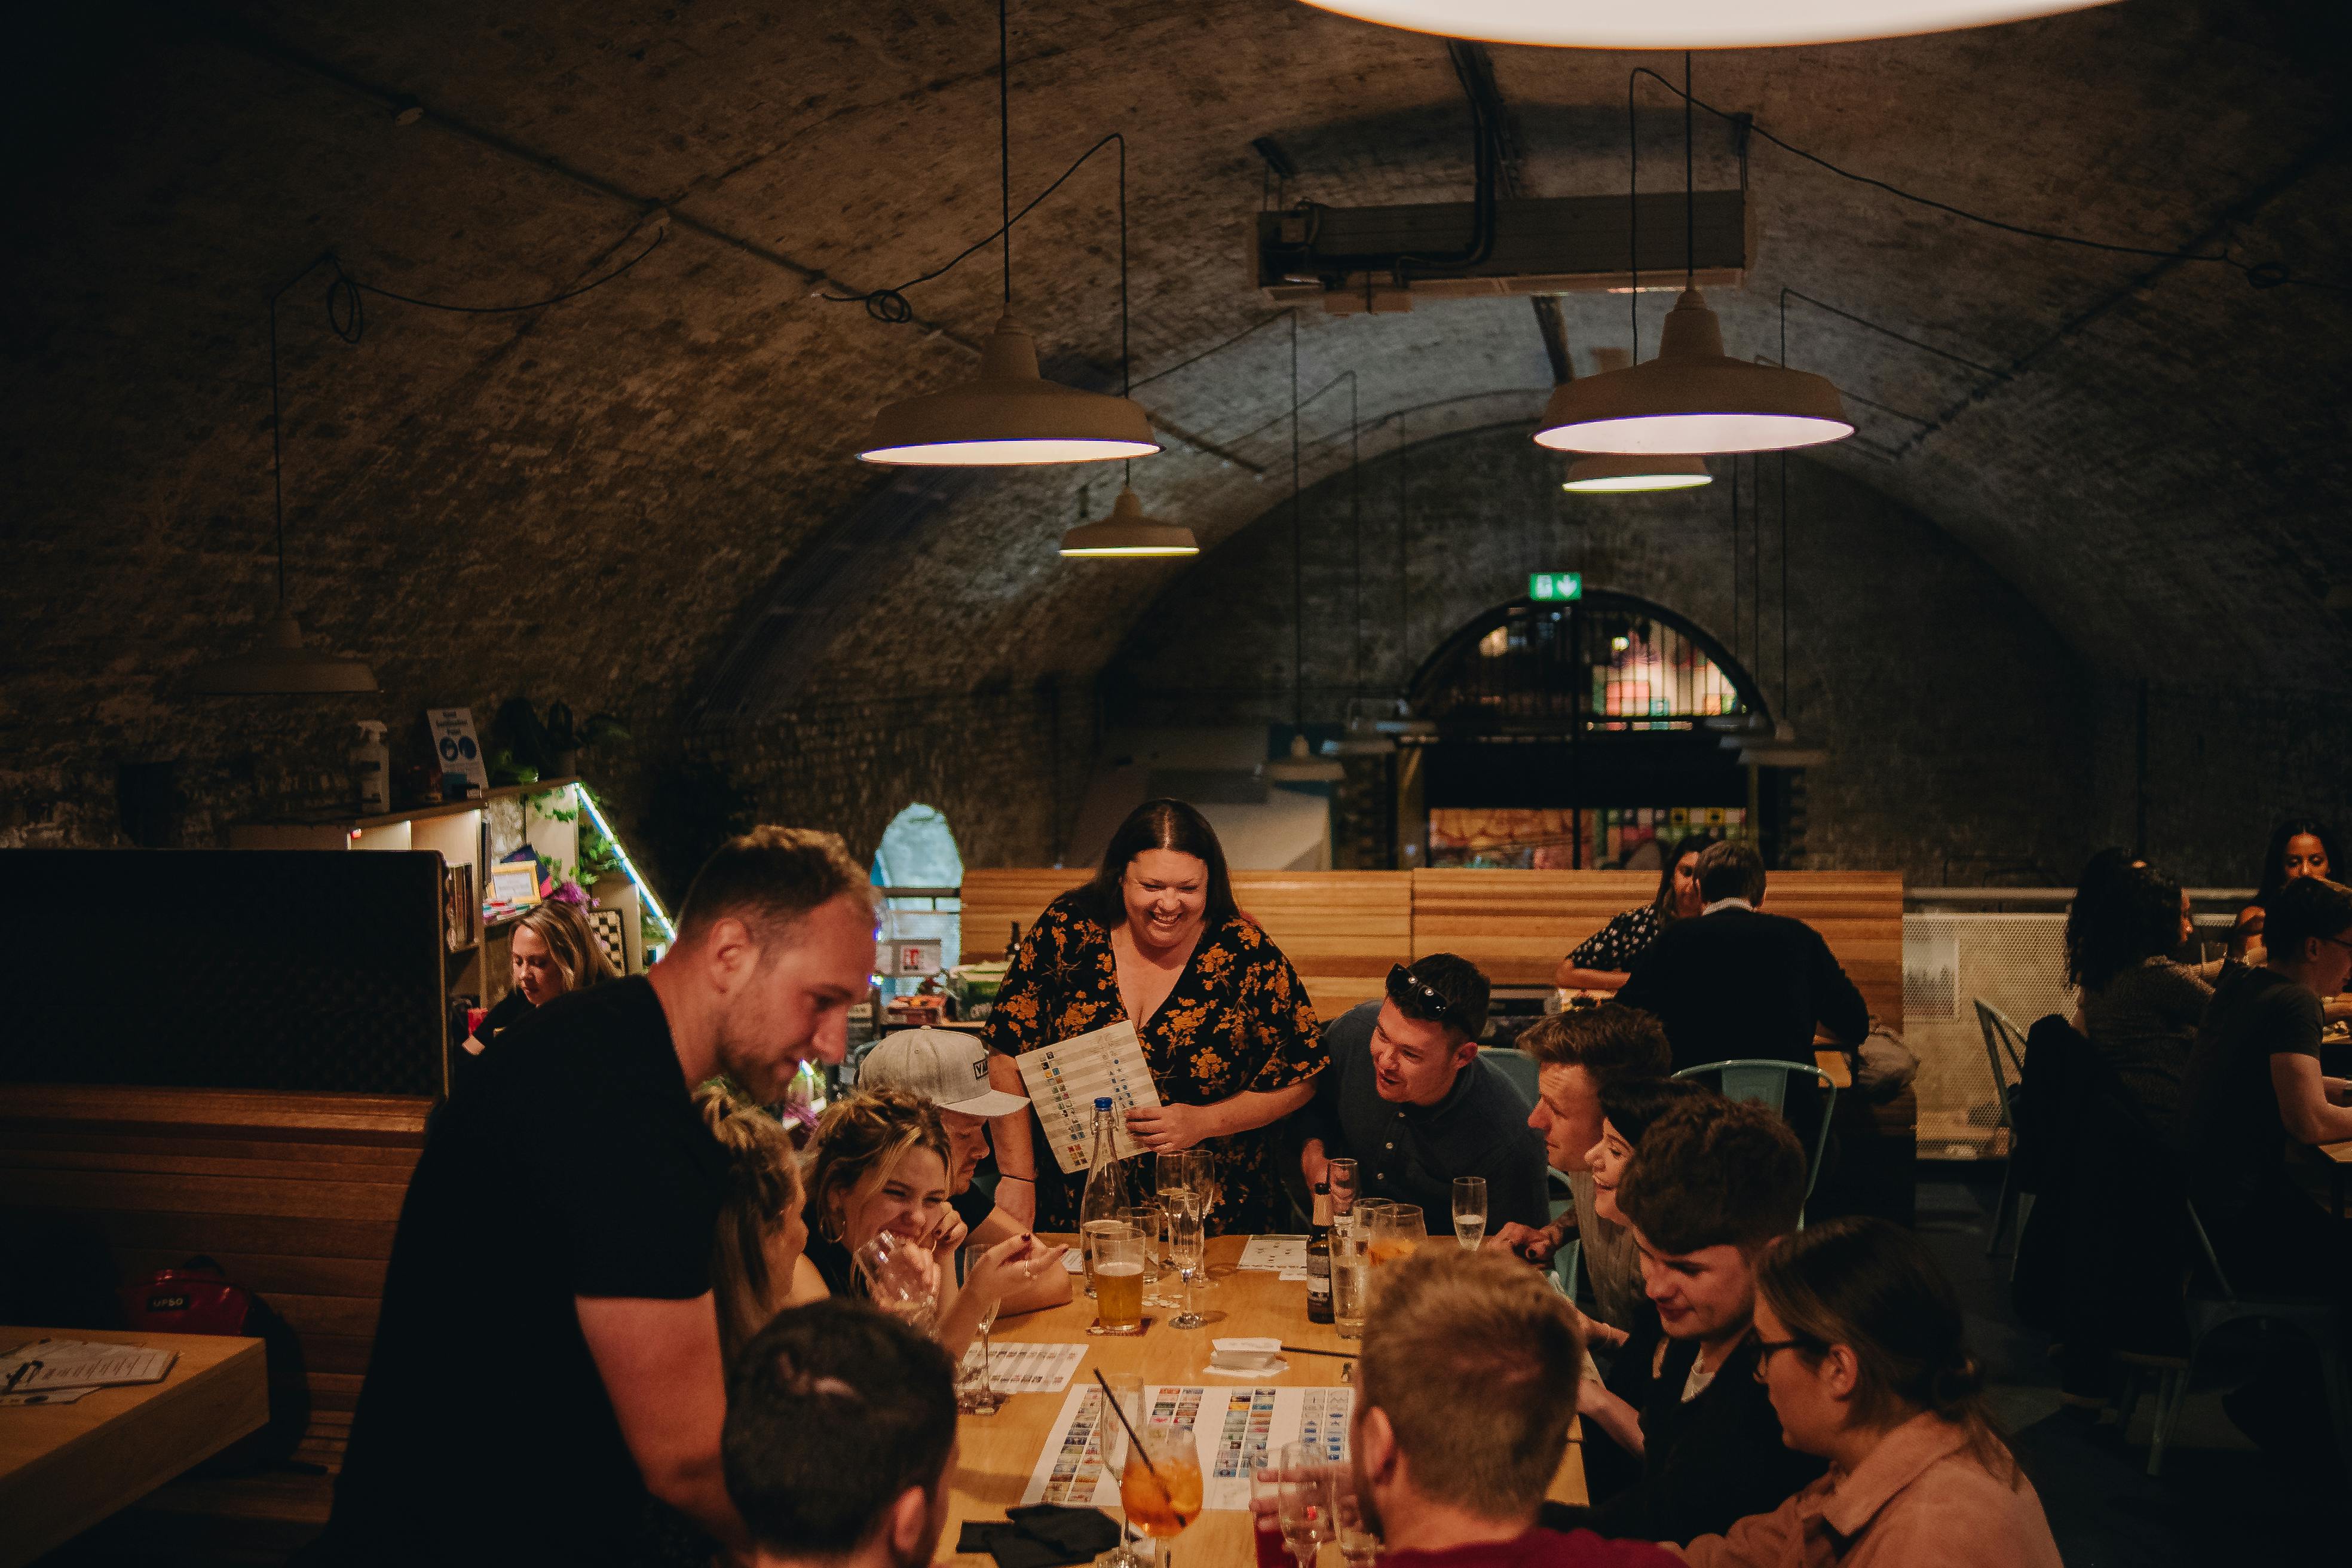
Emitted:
<point x="1250" y="1355"/>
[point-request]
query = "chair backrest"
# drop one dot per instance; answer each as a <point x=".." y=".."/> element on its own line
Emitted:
<point x="1517" y="1068"/>
<point x="2004" y="1043"/>
<point x="2205" y="1247"/>
<point x="1764" y="1080"/>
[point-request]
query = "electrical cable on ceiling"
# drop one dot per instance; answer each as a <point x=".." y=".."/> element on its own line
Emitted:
<point x="347" y="311"/>
<point x="890" y="304"/>
<point x="2260" y="275"/>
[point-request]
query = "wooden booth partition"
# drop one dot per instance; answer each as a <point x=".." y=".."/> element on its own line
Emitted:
<point x="1340" y="929"/>
<point x="1519" y="925"/>
<point x="295" y="1195"/>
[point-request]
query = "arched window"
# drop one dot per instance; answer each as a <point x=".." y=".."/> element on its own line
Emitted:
<point x="1579" y="735"/>
<point x="918" y="851"/>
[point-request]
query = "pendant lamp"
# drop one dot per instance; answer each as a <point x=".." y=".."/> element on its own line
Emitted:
<point x="282" y="665"/>
<point x="1616" y="473"/>
<point x="1008" y="415"/>
<point x="1691" y="24"/>
<point x="1128" y="531"/>
<point x="1303" y="766"/>
<point x="1693" y="397"/>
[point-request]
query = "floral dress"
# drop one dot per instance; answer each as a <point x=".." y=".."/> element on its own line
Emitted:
<point x="1617" y="944"/>
<point x="1236" y="1020"/>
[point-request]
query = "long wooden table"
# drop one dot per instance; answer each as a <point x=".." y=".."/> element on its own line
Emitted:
<point x="998" y="1452"/>
<point x="63" y="1468"/>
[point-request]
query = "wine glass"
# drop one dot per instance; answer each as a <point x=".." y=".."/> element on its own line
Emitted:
<point x="1127" y="1391"/>
<point x="1192" y="1171"/>
<point x="1358" y="1544"/>
<point x="901" y="1277"/>
<point x="1187" y="1247"/>
<point x="1305" y="1507"/>
<point x="1342" y="1178"/>
<point x="1469" y="1211"/>
<point x="1398" y="1231"/>
<point x="978" y="1398"/>
<point x="1160" y="1486"/>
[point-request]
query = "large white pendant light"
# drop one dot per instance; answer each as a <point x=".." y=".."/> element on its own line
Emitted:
<point x="1303" y="766"/>
<point x="1691" y="398"/>
<point x="1620" y="473"/>
<point x="1691" y="24"/>
<point x="1008" y="415"/>
<point x="1128" y="532"/>
<point x="282" y="665"/>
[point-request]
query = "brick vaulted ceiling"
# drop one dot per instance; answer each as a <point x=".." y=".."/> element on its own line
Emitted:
<point x="608" y="496"/>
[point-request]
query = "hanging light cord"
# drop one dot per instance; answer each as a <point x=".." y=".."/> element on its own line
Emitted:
<point x="890" y="304"/>
<point x="347" y="319"/>
<point x="1004" y="137"/>
<point x="2259" y="274"/>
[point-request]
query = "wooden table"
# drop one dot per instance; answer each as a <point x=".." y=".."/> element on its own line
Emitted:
<point x="63" y="1468"/>
<point x="997" y="1452"/>
<point x="1833" y="1063"/>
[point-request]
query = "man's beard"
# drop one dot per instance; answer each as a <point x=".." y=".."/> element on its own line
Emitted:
<point x="1364" y="1494"/>
<point x="743" y="1058"/>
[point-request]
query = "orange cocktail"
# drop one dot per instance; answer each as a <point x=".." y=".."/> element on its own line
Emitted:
<point x="1391" y="1251"/>
<point x="1162" y="1497"/>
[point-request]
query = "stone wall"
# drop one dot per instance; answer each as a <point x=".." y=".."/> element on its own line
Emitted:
<point x="1958" y="722"/>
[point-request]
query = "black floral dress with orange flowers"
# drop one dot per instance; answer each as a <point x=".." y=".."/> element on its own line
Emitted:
<point x="1237" y="1020"/>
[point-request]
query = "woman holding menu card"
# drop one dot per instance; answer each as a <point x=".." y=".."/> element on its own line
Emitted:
<point x="1156" y="940"/>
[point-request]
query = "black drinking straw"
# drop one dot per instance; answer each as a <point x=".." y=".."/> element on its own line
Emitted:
<point x="1112" y="1400"/>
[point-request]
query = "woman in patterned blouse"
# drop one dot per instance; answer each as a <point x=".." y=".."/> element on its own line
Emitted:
<point x="1603" y="960"/>
<point x="1155" y="938"/>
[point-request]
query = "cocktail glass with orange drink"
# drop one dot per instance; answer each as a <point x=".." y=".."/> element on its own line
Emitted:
<point x="1160" y="1486"/>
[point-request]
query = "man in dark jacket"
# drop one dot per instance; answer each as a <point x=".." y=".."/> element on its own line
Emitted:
<point x="1737" y="982"/>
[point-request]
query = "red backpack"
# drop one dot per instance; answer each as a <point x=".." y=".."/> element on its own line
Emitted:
<point x="198" y="1297"/>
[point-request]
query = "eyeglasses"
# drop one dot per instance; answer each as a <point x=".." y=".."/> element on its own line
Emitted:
<point x="1424" y="994"/>
<point x="1764" y="1348"/>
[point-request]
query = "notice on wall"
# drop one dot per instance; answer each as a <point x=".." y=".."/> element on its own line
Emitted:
<point x="457" y="752"/>
<point x="1236" y="1431"/>
<point x="1064" y="1078"/>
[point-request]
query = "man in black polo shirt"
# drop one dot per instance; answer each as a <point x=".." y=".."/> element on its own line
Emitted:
<point x="548" y="1352"/>
<point x="1737" y="982"/>
<point x="1408" y="1099"/>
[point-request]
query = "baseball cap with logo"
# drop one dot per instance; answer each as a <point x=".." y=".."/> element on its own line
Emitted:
<point x="946" y="1066"/>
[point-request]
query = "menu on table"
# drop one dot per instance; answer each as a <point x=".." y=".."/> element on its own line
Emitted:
<point x="1065" y="1079"/>
<point x="1237" y="1432"/>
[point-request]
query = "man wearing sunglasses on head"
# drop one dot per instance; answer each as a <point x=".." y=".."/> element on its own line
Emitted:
<point x="1408" y="1099"/>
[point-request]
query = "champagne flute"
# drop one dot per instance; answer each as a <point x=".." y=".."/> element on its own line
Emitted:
<point x="1344" y="1180"/>
<point x="1469" y="1211"/>
<point x="1160" y="1486"/>
<point x="1359" y="1545"/>
<point x="981" y="1398"/>
<point x="1188" y="1244"/>
<point x="1305" y="1507"/>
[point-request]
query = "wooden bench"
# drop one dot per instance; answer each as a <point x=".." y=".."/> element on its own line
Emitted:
<point x="295" y="1195"/>
<point x="1340" y="929"/>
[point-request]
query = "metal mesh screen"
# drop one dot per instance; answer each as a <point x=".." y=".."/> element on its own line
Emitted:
<point x="2015" y="962"/>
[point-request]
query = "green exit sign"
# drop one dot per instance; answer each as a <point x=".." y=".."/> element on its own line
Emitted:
<point x="1555" y="585"/>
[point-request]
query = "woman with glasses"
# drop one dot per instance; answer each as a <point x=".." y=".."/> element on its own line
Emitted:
<point x="1859" y="1342"/>
<point x="1155" y="939"/>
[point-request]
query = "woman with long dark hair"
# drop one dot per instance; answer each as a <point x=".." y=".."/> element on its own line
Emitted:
<point x="2299" y="847"/>
<point x="1602" y="961"/>
<point x="1864" y="1351"/>
<point x="1156" y="938"/>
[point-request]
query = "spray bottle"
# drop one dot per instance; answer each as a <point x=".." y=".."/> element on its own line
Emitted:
<point x="371" y="770"/>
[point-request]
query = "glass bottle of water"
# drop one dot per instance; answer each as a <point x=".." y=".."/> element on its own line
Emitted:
<point x="1106" y="1193"/>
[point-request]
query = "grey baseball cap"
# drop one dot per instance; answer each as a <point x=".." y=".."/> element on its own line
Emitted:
<point x="946" y="1066"/>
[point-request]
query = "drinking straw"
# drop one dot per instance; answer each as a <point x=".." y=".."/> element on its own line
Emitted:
<point x="1140" y="1451"/>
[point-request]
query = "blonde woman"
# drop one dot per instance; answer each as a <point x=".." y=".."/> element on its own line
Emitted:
<point x="882" y="1161"/>
<point x="554" y="952"/>
<point x="757" y="1248"/>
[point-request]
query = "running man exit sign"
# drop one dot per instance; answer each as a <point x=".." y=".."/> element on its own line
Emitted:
<point x="1555" y="585"/>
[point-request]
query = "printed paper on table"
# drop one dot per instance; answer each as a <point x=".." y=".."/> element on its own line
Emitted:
<point x="1064" y="1078"/>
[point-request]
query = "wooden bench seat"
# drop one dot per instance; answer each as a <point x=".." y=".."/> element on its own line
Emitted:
<point x="295" y="1195"/>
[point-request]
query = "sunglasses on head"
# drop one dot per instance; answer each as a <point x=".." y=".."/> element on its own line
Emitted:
<point x="1403" y="983"/>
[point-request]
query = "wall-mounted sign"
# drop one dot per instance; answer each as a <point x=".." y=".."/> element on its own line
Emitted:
<point x="909" y="958"/>
<point x="1555" y="586"/>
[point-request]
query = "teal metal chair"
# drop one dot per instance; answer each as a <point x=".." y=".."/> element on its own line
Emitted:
<point x="1517" y="1068"/>
<point x="1762" y="1080"/>
<point x="2002" y="1040"/>
<point x="1564" y="1264"/>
